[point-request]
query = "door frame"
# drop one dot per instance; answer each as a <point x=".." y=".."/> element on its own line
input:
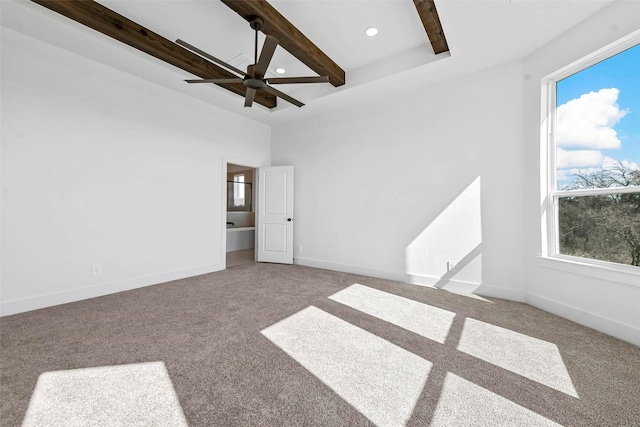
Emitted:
<point x="240" y="162"/>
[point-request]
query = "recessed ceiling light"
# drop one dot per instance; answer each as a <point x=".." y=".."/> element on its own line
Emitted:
<point x="371" y="31"/>
<point x="280" y="70"/>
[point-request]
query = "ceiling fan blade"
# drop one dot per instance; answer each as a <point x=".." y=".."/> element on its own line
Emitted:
<point x="266" y="54"/>
<point x="210" y="57"/>
<point x="282" y="95"/>
<point x="251" y="95"/>
<point x="238" y="80"/>
<point x="288" y="80"/>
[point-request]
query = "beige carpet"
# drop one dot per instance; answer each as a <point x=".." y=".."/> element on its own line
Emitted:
<point x="276" y="345"/>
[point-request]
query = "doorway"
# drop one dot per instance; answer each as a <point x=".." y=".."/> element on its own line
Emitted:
<point x="240" y="215"/>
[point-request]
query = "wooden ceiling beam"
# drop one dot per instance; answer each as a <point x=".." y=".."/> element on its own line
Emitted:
<point x="289" y="37"/>
<point x="110" y="23"/>
<point x="431" y="22"/>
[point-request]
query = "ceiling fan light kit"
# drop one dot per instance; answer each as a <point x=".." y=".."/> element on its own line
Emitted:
<point x="254" y="79"/>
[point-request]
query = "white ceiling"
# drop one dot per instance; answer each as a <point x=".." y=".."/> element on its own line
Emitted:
<point x="480" y="34"/>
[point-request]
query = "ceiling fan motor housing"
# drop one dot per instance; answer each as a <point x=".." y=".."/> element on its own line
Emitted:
<point x="253" y="82"/>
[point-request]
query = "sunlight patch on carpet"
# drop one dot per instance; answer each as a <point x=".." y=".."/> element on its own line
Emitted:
<point x="423" y="319"/>
<point x="379" y="379"/>
<point x="463" y="403"/>
<point x="135" y="394"/>
<point x="533" y="358"/>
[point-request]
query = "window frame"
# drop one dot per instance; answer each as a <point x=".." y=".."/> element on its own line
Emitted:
<point x="550" y="226"/>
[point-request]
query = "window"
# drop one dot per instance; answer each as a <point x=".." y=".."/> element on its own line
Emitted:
<point x="594" y="158"/>
<point x="238" y="190"/>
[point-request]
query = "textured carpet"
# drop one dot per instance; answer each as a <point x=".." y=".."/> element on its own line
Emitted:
<point x="279" y="345"/>
<point x="126" y="395"/>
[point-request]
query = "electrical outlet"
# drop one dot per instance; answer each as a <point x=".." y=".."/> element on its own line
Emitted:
<point x="96" y="269"/>
<point x="450" y="265"/>
<point x="299" y="248"/>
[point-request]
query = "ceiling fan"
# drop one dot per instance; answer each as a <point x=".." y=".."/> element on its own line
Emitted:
<point x="254" y="79"/>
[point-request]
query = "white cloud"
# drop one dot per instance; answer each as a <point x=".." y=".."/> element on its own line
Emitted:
<point x="608" y="162"/>
<point x="578" y="158"/>
<point x="588" y="121"/>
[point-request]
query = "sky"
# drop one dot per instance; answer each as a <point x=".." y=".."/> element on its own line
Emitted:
<point x="598" y="116"/>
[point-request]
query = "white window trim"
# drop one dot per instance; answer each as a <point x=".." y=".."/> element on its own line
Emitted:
<point x="602" y="270"/>
<point x="549" y="239"/>
<point x="597" y="191"/>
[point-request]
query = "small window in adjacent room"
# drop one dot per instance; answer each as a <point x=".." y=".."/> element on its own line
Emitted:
<point x="238" y="190"/>
<point x="594" y="159"/>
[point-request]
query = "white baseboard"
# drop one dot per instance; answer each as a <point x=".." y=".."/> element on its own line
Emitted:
<point x="502" y="293"/>
<point x="453" y="285"/>
<point x="469" y="287"/>
<point x="600" y="323"/>
<point x="57" y="298"/>
<point x="354" y="269"/>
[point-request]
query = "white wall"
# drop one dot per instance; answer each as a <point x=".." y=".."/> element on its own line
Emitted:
<point x="99" y="167"/>
<point x="595" y="297"/>
<point x="397" y="189"/>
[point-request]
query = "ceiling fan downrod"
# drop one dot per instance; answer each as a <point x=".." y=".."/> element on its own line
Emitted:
<point x="257" y="24"/>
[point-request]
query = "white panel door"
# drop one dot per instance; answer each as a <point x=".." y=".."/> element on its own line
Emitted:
<point x="275" y="214"/>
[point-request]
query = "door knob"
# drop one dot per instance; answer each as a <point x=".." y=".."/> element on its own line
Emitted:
<point x="288" y="219"/>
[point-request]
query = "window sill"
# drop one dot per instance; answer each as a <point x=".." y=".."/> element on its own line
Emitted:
<point x="627" y="275"/>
